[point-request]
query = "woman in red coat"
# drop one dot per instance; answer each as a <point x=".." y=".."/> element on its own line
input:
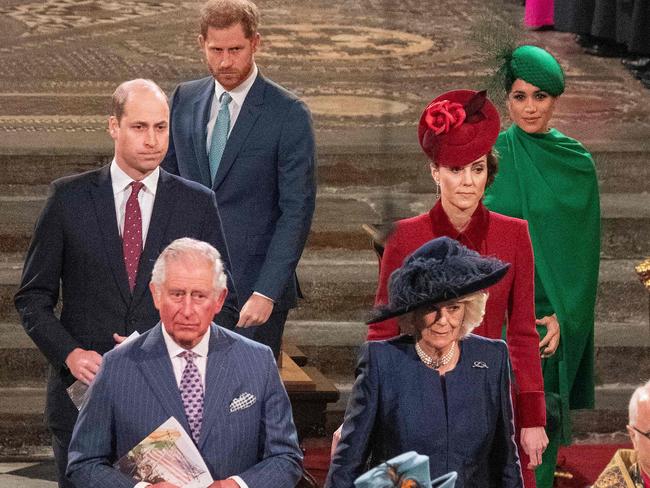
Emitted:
<point x="457" y="131"/>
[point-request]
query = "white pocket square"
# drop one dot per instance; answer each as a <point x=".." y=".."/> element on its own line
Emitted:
<point x="243" y="401"/>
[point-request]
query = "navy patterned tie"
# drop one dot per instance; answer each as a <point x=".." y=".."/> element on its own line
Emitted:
<point x="192" y="394"/>
<point x="219" y="135"/>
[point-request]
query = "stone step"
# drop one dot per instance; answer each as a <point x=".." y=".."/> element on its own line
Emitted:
<point x="609" y="416"/>
<point x="22" y="424"/>
<point x="341" y="211"/>
<point x="22" y="420"/>
<point x="21" y="417"/>
<point x="407" y="169"/>
<point x="340" y="285"/>
<point x="622" y="351"/>
<point x="401" y="166"/>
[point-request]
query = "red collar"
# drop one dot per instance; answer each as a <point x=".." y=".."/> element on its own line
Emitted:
<point x="474" y="234"/>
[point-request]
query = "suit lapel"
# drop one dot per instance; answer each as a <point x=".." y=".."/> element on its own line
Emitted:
<point x="157" y="370"/>
<point x="218" y="378"/>
<point x="163" y="207"/>
<point x="249" y="113"/>
<point x="104" y="202"/>
<point x="200" y="117"/>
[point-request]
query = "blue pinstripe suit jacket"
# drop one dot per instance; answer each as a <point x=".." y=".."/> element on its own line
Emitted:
<point x="135" y="391"/>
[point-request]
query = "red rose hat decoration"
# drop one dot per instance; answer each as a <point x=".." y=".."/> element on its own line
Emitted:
<point x="442" y="116"/>
<point x="458" y="127"/>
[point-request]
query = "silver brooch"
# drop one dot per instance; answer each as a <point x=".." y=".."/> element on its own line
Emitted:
<point x="480" y="365"/>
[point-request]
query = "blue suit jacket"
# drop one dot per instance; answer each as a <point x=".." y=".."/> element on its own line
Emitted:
<point x="265" y="184"/>
<point x="397" y="405"/>
<point x="76" y="248"/>
<point x="136" y="391"/>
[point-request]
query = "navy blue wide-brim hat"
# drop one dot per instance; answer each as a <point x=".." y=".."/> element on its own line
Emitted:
<point x="440" y="270"/>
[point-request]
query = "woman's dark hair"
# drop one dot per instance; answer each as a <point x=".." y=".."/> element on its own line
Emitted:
<point x="508" y="80"/>
<point x="492" y="166"/>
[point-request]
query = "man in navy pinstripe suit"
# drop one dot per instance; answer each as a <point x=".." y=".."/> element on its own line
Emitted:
<point x="244" y="431"/>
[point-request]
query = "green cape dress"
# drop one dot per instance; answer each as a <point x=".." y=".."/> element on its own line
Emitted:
<point x="550" y="180"/>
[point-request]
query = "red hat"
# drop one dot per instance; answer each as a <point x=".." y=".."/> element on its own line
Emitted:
<point x="458" y="127"/>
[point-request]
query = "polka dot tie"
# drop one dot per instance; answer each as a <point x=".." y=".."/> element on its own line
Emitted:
<point x="132" y="235"/>
<point x="192" y="394"/>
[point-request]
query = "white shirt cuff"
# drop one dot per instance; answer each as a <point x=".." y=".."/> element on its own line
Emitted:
<point x="238" y="480"/>
<point x="262" y="295"/>
<point x="142" y="484"/>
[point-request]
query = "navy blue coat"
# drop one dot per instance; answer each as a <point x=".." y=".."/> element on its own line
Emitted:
<point x="397" y="405"/>
<point x="265" y="184"/>
<point x="77" y="248"/>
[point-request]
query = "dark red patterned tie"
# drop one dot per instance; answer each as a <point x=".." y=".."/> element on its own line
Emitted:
<point x="132" y="235"/>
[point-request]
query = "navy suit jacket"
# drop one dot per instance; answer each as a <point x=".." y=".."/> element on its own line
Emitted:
<point x="136" y="391"/>
<point x="76" y="248"/>
<point x="398" y="405"/>
<point x="265" y="184"/>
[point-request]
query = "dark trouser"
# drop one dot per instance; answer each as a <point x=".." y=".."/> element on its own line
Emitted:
<point x="269" y="333"/>
<point x="60" y="444"/>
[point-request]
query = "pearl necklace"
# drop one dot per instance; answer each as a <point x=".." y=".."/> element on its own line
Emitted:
<point x="436" y="363"/>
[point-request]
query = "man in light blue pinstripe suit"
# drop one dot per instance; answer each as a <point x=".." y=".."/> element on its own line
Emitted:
<point x="245" y="431"/>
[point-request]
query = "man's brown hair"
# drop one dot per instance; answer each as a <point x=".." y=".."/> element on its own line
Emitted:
<point x="221" y="14"/>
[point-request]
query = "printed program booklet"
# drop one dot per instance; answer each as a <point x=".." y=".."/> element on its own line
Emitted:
<point x="167" y="454"/>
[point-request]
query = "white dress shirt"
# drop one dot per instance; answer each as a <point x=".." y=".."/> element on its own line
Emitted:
<point x="238" y="95"/>
<point x="178" y="365"/>
<point x="122" y="190"/>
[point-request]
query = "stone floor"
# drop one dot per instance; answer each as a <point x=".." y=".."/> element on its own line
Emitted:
<point x="365" y="67"/>
<point x="28" y="475"/>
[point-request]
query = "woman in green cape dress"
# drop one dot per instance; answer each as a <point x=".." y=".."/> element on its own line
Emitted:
<point x="549" y="180"/>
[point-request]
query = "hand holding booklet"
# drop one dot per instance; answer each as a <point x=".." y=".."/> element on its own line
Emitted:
<point x="78" y="390"/>
<point x="167" y="454"/>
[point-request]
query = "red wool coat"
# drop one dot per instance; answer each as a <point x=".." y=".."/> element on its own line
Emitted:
<point x="511" y="300"/>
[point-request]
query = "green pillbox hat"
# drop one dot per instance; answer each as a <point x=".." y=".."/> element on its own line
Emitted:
<point x="537" y="67"/>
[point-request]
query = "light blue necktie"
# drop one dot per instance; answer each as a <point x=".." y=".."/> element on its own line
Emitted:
<point x="219" y="135"/>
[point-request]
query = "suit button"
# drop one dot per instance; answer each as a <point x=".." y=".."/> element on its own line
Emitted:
<point x="133" y="321"/>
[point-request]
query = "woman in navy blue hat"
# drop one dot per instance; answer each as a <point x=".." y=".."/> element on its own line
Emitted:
<point x="438" y="389"/>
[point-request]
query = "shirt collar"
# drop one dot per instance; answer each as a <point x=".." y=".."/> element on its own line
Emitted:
<point x="238" y="93"/>
<point x="173" y="349"/>
<point x="121" y="181"/>
<point x="473" y="236"/>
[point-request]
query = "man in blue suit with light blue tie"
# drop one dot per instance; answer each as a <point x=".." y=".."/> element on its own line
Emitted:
<point x="224" y="389"/>
<point x="252" y="142"/>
